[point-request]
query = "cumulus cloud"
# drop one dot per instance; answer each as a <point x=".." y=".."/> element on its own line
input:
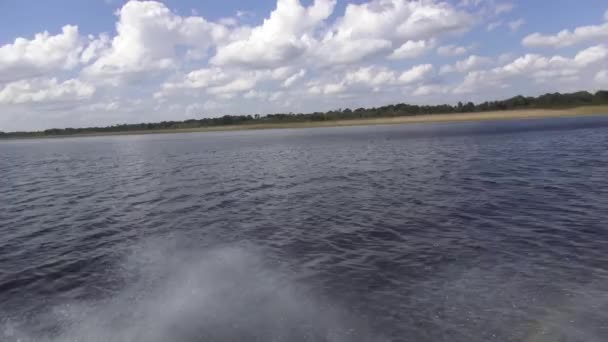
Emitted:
<point x="430" y="89"/>
<point x="282" y="37"/>
<point x="416" y="74"/>
<point x="307" y="55"/>
<point x="567" y="38"/>
<point x="412" y="49"/>
<point x="228" y="21"/>
<point x="45" y="90"/>
<point x="226" y="83"/>
<point x="451" y="50"/>
<point x="379" y="25"/>
<point x="294" y="78"/>
<point x="372" y="76"/>
<point x="234" y="86"/>
<point x="537" y="68"/>
<point x="200" y="78"/>
<point x="327" y="89"/>
<point x="335" y="51"/>
<point x="44" y="53"/>
<point x="95" y="47"/>
<point x="401" y="20"/>
<point x="594" y="54"/>
<point x="363" y="78"/>
<point x="148" y="33"/>
<point x="471" y="63"/>
<point x="375" y="78"/>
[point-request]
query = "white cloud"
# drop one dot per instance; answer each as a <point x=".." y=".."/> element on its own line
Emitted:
<point x="303" y="57"/>
<point x="537" y="68"/>
<point x="44" y="53"/>
<point x="95" y="47"/>
<point x="451" y="50"/>
<point x="294" y="78"/>
<point x="401" y="20"/>
<point x="465" y="65"/>
<point x="282" y="37"/>
<point x="515" y="25"/>
<point x="184" y="59"/>
<point x="254" y="94"/>
<point x="374" y="78"/>
<point x="228" y="21"/>
<point x="327" y="89"/>
<point x="594" y="54"/>
<point x="412" y="49"/>
<point x="280" y="73"/>
<point x="363" y="78"/>
<point x="152" y="43"/>
<point x="416" y="74"/>
<point x="148" y="33"/>
<point x="429" y="89"/>
<point x="532" y="63"/>
<point x="373" y="28"/>
<point x="227" y="82"/>
<point x="45" y="90"/>
<point x="334" y="88"/>
<point x="566" y="38"/>
<point x="606" y="15"/>
<point x="201" y="78"/>
<point x="335" y="51"/>
<point x="235" y="86"/>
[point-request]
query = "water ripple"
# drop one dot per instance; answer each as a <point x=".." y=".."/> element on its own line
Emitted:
<point x="459" y="232"/>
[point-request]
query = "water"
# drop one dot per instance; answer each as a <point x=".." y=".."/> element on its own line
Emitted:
<point x="432" y="232"/>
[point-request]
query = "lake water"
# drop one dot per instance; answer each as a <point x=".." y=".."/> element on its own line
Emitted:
<point x="489" y="231"/>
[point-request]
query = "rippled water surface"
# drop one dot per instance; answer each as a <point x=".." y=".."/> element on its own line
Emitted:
<point x="493" y="231"/>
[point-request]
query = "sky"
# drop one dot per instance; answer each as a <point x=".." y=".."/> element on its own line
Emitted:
<point x="74" y="63"/>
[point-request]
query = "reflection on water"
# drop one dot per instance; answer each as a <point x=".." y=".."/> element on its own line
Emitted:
<point x="443" y="232"/>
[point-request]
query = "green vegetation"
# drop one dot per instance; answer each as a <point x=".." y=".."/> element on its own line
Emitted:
<point x="547" y="101"/>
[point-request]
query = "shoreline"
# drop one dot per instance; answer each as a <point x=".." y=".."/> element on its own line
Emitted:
<point x="520" y="114"/>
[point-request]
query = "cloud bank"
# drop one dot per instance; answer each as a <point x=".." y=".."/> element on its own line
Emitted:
<point x="160" y="65"/>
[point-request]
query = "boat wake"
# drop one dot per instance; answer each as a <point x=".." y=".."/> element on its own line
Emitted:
<point x="226" y="294"/>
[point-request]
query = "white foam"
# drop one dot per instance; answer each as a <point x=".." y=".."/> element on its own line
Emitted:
<point x="225" y="294"/>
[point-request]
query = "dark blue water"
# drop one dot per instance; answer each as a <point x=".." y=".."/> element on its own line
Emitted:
<point x="494" y="231"/>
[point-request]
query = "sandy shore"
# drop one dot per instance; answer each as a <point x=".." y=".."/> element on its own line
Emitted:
<point x="497" y="115"/>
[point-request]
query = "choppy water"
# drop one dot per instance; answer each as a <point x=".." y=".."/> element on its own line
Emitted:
<point x="493" y="231"/>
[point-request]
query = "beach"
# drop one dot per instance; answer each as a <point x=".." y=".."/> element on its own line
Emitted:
<point x="398" y="120"/>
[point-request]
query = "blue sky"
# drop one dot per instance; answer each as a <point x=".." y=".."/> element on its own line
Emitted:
<point x="67" y="63"/>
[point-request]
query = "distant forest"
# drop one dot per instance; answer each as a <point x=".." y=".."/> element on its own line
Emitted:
<point x="547" y="101"/>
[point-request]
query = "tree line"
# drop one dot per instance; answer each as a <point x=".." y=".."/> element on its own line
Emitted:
<point x="547" y="101"/>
